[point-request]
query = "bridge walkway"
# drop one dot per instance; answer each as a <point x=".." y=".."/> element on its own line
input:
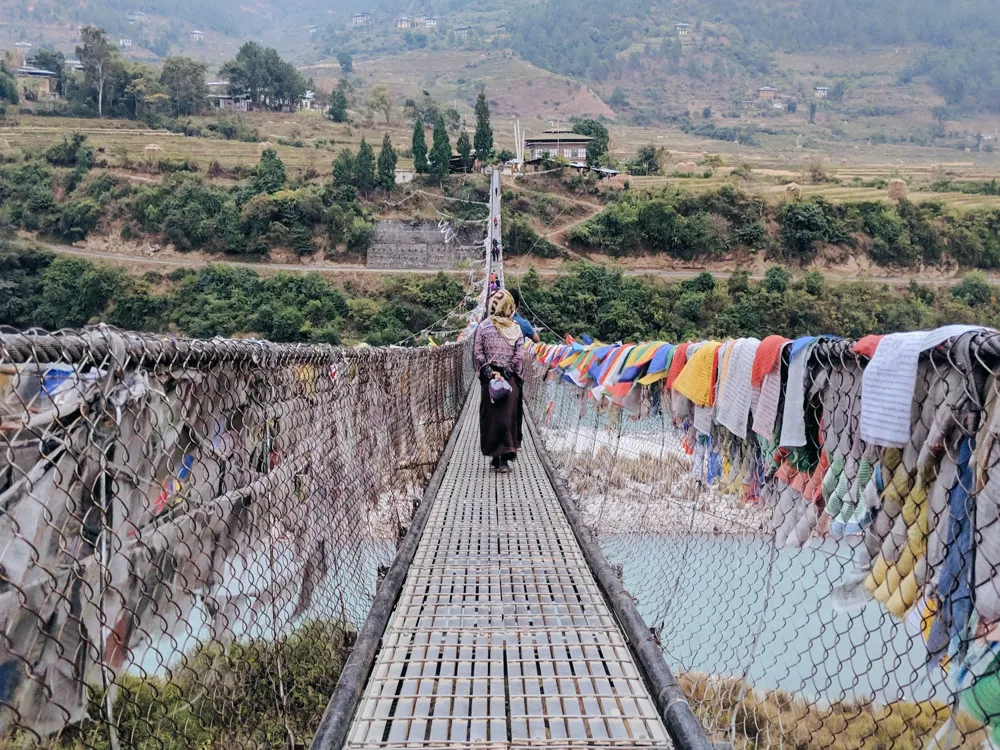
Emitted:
<point x="501" y="637"/>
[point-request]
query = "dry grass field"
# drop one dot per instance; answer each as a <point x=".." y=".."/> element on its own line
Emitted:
<point x="846" y="171"/>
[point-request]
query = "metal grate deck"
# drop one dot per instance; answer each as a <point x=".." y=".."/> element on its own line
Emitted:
<point x="501" y="638"/>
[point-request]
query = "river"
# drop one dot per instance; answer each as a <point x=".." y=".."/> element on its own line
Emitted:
<point x="719" y="587"/>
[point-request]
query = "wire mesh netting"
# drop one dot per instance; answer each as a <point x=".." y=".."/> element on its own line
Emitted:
<point x="191" y="531"/>
<point x="836" y="594"/>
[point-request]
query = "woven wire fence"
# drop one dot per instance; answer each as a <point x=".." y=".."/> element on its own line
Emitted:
<point x="838" y="595"/>
<point x="191" y="531"/>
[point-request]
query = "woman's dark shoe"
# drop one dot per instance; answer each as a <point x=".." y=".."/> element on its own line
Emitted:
<point x="504" y="468"/>
<point x="495" y="462"/>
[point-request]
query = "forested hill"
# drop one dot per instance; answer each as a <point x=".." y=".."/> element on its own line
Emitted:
<point x="959" y="40"/>
<point x="953" y="45"/>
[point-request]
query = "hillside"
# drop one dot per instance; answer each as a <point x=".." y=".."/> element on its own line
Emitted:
<point x="907" y="72"/>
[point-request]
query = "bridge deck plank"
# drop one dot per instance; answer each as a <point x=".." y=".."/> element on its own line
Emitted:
<point x="501" y="638"/>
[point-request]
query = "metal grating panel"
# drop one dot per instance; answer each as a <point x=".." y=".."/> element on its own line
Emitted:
<point x="501" y="638"/>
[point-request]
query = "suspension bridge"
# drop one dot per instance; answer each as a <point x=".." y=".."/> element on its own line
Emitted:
<point x="243" y="544"/>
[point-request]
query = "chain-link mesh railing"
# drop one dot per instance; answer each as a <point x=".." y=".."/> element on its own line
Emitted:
<point x="191" y="531"/>
<point x="837" y="594"/>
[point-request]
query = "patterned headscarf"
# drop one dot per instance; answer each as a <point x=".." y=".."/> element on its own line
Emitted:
<point x="501" y="313"/>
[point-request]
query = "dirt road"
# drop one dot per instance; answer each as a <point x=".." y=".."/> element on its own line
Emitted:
<point x="333" y="268"/>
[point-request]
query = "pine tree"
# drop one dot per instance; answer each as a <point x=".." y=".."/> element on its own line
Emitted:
<point x="269" y="174"/>
<point x="338" y="103"/>
<point x="343" y="168"/>
<point x="364" y="167"/>
<point x="440" y="151"/>
<point x="419" y="148"/>
<point x="464" y="148"/>
<point x="483" y="139"/>
<point x="386" y="177"/>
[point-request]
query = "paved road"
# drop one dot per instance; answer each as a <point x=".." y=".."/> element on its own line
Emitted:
<point x="344" y="268"/>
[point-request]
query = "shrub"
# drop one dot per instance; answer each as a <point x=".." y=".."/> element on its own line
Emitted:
<point x="359" y="236"/>
<point x="802" y="226"/>
<point x="76" y="219"/>
<point x="71" y="152"/>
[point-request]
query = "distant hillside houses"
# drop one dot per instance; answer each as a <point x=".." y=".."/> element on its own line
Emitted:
<point x="403" y="22"/>
<point x="360" y="19"/>
<point x="767" y="97"/>
<point x="682" y="29"/>
<point x="21" y="52"/>
<point x="463" y="31"/>
<point x="821" y="92"/>
<point x="136" y="17"/>
<point x="36" y="84"/>
<point x="431" y="21"/>
<point x="562" y="143"/>
<point x="125" y="43"/>
<point x="197" y="36"/>
<point x="220" y="98"/>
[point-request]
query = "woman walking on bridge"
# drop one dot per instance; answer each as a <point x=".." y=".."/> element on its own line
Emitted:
<point x="499" y="355"/>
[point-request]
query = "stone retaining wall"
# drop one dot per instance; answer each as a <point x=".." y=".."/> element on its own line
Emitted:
<point x="421" y="245"/>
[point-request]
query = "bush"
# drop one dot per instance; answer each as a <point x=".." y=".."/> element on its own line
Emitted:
<point x="72" y="152"/>
<point x="752" y="235"/>
<point x="974" y="289"/>
<point x="520" y="238"/>
<point x="359" y="236"/>
<point x="803" y="224"/>
<point x="76" y="219"/>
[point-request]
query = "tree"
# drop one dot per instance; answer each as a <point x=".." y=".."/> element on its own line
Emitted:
<point x="940" y="115"/>
<point x="380" y="100"/>
<point x="145" y="94"/>
<point x="618" y="98"/>
<point x="706" y="113"/>
<point x="184" y="81"/>
<point x="364" y="167"/>
<point x="440" y="161"/>
<point x="269" y="175"/>
<point x="464" y="148"/>
<point x="836" y="94"/>
<point x="452" y="119"/>
<point x="8" y="88"/>
<point x="99" y="59"/>
<point x="343" y="168"/>
<point x="483" y="138"/>
<point x="386" y="177"/>
<point x="54" y="61"/>
<point x="600" y="139"/>
<point x="647" y="161"/>
<point x="419" y="148"/>
<point x="260" y="74"/>
<point x="802" y="226"/>
<point x="812" y="113"/>
<point x="346" y="62"/>
<point x="338" y="102"/>
<point x="776" y="279"/>
<point x="793" y="107"/>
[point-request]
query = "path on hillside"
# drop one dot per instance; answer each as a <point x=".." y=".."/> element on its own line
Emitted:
<point x="196" y="263"/>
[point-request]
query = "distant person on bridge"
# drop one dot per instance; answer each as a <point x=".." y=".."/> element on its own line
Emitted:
<point x="499" y="355"/>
